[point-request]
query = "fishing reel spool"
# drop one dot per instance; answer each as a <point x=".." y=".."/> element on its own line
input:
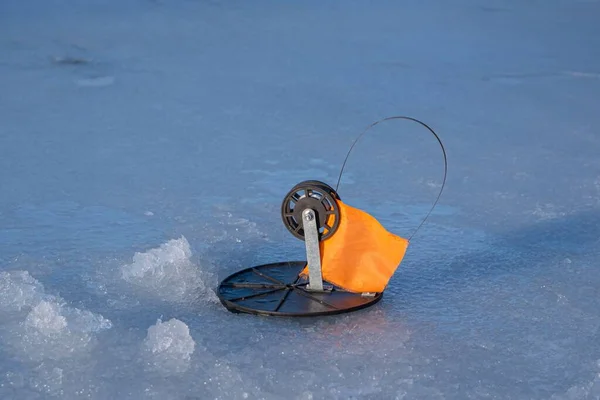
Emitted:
<point x="310" y="212"/>
<point x="317" y="196"/>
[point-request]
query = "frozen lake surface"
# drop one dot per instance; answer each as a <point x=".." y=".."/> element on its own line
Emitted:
<point x="146" y="146"/>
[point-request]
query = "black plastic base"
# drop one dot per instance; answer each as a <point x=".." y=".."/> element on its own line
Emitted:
<point x="277" y="289"/>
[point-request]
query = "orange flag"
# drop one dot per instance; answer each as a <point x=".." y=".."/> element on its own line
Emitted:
<point x="361" y="256"/>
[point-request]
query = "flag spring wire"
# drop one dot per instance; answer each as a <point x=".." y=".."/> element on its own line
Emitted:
<point x="443" y="152"/>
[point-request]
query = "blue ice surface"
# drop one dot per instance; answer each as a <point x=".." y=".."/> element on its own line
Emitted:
<point x="145" y="147"/>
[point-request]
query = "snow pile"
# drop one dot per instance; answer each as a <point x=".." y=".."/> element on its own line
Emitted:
<point x="46" y="319"/>
<point x="169" y="273"/>
<point x="43" y="326"/>
<point x="53" y="330"/>
<point x="44" y="334"/>
<point x="168" y="347"/>
<point x="18" y="291"/>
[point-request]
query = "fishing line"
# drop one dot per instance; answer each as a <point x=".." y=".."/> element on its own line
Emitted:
<point x="443" y="152"/>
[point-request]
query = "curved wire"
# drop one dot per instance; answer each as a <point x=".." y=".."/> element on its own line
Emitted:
<point x="443" y="151"/>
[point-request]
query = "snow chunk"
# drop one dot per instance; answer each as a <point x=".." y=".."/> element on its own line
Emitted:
<point x="46" y="318"/>
<point x="18" y="291"/>
<point x="168" y="272"/>
<point x="156" y="261"/>
<point x="40" y="326"/>
<point x="55" y="331"/>
<point x="168" y="347"/>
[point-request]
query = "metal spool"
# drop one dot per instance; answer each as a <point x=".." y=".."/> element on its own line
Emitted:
<point x="317" y="196"/>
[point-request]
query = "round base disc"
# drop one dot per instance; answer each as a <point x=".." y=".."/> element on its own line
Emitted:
<point x="277" y="289"/>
